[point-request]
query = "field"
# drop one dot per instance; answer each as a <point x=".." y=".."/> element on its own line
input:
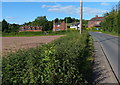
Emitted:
<point x="65" y="60"/>
<point x="11" y="44"/>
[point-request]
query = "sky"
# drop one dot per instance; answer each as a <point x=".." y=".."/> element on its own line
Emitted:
<point x="59" y="0"/>
<point x="21" y="12"/>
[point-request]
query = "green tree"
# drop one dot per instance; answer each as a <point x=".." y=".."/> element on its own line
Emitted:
<point x="69" y="19"/>
<point x="111" y="21"/>
<point x="0" y="26"/>
<point x="118" y="17"/>
<point x="56" y="20"/>
<point x="5" y="27"/>
<point x="14" y="27"/>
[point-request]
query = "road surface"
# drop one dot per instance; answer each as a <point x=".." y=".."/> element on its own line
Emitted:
<point x="110" y="46"/>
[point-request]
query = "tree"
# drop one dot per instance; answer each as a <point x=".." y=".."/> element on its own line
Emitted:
<point x="56" y="20"/>
<point x="5" y="27"/>
<point x="14" y="27"/>
<point x="69" y="19"/>
<point x="0" y="26"/>
<point x="50" y="25"/>
<point x="111" y="21"/>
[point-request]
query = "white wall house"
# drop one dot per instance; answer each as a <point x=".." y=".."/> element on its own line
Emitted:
<point x="75" y="25"/>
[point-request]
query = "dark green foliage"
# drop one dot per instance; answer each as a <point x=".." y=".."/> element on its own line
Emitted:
<point x="66" y="60"/>
<point x="69" y="20"/>
<point x="41" y="21"/>
<point x="8" y="28"/>
<point x="56" y="20"/>
<point x="0" y="26"/>
<point x="118" y="18"/>
<point x="111" y="21"/>
<point x="14" y="28"/>
<point x="5" y="25"/>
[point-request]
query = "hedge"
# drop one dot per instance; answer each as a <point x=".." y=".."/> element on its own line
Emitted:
<point x="65" y="60"/>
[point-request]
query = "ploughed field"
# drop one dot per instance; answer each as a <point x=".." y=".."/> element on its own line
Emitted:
<point x="12" y="44"/>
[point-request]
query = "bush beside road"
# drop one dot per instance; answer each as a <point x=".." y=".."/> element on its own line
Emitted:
<point x="65" y="60"/>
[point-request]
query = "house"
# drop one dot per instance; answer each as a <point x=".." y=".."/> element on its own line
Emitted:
<point x="30" y="28"/>
<point x="75" y="25"/>
<point x="95" y="22"/>
<point x="59" y="26"/>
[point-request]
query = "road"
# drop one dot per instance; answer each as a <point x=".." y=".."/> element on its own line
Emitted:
<point x="110" y="46"/>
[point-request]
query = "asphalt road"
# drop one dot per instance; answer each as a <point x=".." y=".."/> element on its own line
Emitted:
<point x="110" y="46"/>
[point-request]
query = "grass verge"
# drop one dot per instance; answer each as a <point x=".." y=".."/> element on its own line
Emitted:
<point x="111" y="33"/>
<point x="65" y="60"/>
<point x="29" y="34"/>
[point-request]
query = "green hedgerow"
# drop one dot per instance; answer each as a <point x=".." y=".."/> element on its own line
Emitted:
<point x="65" y="60"/>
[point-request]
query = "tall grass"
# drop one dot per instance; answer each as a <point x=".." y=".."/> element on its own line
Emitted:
<point x="65" y="60"/>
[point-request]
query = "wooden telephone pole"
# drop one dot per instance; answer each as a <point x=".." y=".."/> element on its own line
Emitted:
<point x="80" y="16"/>
<point x="66" y="23"/>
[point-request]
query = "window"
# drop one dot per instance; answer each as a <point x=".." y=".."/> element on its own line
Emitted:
<point x="92" y="23"/>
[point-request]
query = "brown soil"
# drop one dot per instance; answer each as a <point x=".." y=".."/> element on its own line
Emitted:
<point x="14" y="43"/>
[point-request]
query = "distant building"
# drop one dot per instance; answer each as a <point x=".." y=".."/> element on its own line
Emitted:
<point x="30" y="28"/>
<point x="59" y="26"/>
<point x="75" y="25"/>
<point x="95" y="22"/>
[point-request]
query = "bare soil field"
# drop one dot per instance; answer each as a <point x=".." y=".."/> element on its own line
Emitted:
<point x="12" y="44"/>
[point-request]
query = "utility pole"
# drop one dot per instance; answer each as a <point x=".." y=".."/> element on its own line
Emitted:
<point x="66" y="23"/>
<point x="54" y="25"/>
<point x="80" y="16"/>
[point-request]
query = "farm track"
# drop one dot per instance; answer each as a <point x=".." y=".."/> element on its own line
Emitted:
<point x="12" y="44"/>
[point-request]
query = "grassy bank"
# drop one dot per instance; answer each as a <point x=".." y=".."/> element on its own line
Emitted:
<point x="65" y="60"/>
<point x="111" y="33"/>
<point x="28" y="34"/>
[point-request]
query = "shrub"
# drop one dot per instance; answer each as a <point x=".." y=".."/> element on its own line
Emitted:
<point x="65" y="60"/>
<point x="71" y="29"/>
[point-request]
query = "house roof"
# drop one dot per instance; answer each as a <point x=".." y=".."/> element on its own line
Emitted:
<point x="58" y="23"/>
<point x="97" y="18"/>
<point x="75" y="24"/>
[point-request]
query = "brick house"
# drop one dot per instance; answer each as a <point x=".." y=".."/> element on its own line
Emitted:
<point x="30" y="28"/>
<point x="59" y="26"/>
<point x="95" y="22"/>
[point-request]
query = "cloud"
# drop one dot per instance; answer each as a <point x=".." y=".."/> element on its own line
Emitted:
<point x="104" y="4"/>
<point x="8" y="17"/>
<point x="45" y="6"/>
<point x="88" y="10"/>
<point x="59" y="0"/>
<point x="73" y="10"/>
<point x="65" y="9"/>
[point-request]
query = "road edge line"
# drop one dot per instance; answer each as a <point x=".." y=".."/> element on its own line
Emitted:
<point x="109" y="63"/>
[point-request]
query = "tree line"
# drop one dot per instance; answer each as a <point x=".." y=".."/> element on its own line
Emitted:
<point x="39" y="21"/>
<point x="7" y="28"/>
<point x="111" y="21"/>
